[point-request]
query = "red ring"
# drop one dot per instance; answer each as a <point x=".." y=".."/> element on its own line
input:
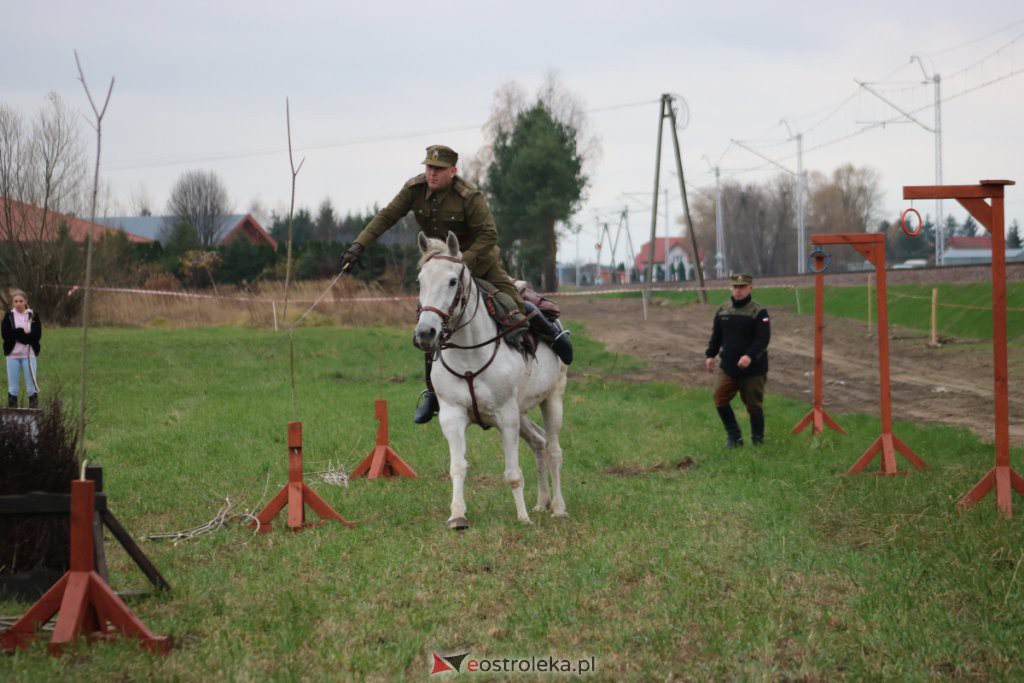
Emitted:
<point x="903" y="223"/>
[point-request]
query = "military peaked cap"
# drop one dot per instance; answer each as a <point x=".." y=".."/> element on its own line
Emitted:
<point x="742" y="279"/>
<point x="441" y="156"/>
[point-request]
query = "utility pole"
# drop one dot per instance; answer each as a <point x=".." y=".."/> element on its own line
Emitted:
<point x="668" y="111"/>
<point x="936" y="129"/>
<point x="721" y="270"/>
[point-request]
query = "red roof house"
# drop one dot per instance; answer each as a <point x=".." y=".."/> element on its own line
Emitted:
<point x="25" y="222"/>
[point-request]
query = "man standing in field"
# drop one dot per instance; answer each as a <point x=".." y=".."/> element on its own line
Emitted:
<point x="442" y="201"/>
<point x="741" y="333"/>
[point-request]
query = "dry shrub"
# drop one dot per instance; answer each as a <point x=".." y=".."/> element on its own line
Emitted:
<point x="36" y="457"/>
<point x="349" y="303"/>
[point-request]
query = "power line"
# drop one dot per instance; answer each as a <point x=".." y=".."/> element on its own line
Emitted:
<point x="232" y="156"/>
<point x="975" y="40"/>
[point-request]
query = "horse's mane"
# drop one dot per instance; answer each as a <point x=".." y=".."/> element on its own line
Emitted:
<point x="434" y="247"/>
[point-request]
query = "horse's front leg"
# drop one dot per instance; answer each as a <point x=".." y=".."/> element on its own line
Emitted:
<point x="453" y="425"/>
<point x="508" y="423"/>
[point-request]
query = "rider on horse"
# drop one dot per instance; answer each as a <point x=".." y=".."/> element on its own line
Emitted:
<point x="441" y="201"/>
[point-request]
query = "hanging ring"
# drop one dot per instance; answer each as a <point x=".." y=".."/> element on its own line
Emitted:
<point x="903" y="222"/>
<point x="812" y="261"/>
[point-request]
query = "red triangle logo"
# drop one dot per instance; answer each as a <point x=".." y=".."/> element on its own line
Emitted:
<point x="440" y="665"/>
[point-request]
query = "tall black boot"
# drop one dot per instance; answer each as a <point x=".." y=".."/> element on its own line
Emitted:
<point x="757" y="428"/>
<point x="551" y="332"/>
<point x="33" y="400"/>
<point x="12" y="400"/>
<point x="428" y="406"/>
<point x="732" y="428"/>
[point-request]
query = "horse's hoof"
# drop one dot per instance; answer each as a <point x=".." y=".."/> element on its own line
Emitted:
<point x="526" y="520"/>
<point x="458" y="524"/>
<point x="561" y="513"/>
<point x="539" y="507"/>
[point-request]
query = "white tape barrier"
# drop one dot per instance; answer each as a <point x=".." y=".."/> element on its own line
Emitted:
<point x="189" y="295"/>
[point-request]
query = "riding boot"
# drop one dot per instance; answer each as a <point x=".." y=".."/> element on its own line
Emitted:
<point x="33" y="400"/>
<point x="732" y="428"/>
<point x="550" y="331"/>
<point x="12" y="400"/>
<point x="428" y="406"/>
<point x="757" y="428"/>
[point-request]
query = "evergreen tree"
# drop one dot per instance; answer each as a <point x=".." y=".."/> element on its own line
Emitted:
<point x="1013" y="237"/>
<point x="302" y="228"/>
<point x="535" y="181"/>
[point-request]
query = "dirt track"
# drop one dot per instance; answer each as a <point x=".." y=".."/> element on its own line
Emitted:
<point x="952" y="384"/>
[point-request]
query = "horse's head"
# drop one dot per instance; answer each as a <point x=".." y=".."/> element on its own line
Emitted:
<point x="443" y="288"/>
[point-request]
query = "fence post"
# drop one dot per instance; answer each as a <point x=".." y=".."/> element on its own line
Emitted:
<point x="934" y="341"/>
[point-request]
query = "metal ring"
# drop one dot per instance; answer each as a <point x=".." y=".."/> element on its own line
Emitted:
<point x="813" y="258"/>
<point x="903" y="222"/>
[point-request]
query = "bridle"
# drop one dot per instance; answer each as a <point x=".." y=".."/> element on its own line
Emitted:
<point x="460" y="302"/>
<point x="452" y="321"/>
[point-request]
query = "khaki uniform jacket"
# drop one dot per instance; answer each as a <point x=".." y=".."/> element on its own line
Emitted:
<point x="460" y="208"/>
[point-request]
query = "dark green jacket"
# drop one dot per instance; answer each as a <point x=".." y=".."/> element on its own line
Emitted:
<point x="740" y="329"/>
<point x="461" y="208"/>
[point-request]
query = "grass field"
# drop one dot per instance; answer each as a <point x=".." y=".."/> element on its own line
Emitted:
<point x="680" y="560"/>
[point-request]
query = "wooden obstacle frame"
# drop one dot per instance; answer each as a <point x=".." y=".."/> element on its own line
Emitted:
<point x="87" y="606"/>
<point x="59" y="504"/>
<point x="382" y="460"/>
<point x="991" y="215"/>
<point x="871" y="247"/>
<point x="296" y="494"/>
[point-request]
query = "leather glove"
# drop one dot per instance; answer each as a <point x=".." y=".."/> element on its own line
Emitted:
<point x="351" y="256"/>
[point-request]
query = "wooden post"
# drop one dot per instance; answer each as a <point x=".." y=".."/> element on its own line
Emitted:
<point x="933" y="340"/>
<point x="382" y="460"/>
<point x="296" y="493"/>
<point x="818" y="417"/>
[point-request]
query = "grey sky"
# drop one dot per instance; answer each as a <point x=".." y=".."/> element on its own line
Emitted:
<point x="203" y="85"/>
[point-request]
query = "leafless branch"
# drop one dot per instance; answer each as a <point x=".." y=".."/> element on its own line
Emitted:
<point x="288" y="267"/>
<point x="99" y="113"/>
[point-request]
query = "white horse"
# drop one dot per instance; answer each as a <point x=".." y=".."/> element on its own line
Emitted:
<point x="480" y="379"/>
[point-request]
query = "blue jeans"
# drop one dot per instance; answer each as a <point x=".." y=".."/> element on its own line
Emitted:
<point x="15" y="368"/>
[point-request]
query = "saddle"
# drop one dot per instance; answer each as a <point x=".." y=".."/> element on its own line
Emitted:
<point x="542" y="324"/>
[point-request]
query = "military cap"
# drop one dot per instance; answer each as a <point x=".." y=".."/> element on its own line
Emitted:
<point x="441" y="156"/>
<point x="741" y="280"/>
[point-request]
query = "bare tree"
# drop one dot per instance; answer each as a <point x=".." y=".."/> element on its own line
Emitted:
<point x="140" y="203"/>
<point x="42" y="177"/>
<point x="510" y="100"/>
<point x="58" y="159"/>
<point x="200" y="200"/>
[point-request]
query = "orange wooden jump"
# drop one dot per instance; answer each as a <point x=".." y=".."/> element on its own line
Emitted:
<point x="382" y="460"/>
<point x="872" y="247"/>
<point x="87" y="605"/>
<point x="296" y="493"/>
<point x="818" y="417"/>
<point x="1001" y="477"/>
